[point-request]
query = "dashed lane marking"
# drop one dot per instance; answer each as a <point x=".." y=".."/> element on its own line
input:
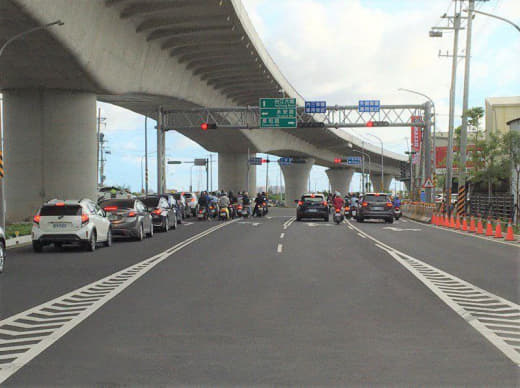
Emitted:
<point x="279" y="248"/>
<point x="27" y="334"/>
<point x="282" y="235"/>
<point x="289" y="222"/>
<point x="496" y="318"/>
<point x="361" y="235"/>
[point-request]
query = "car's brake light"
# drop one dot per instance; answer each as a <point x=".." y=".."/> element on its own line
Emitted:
<point x="84" y="218"/>
<point x="211" y="207"/>
<point x="131" y="214"/>
<point x="110" y="208"/>
<point x="389" y="204"/>
<point x="157" y="211"/>
<point x="60" y="204"/>
<point x="300" y="203"/>
<point x="263" y="204"/>
<point x="192" y="200"/>
<point x="325" y="203"/>
<point x="36" y="219"/>
<point x="200" y="211"/>
<point x="347" y="208"/>
<point x="338" y="210"/>
<point x="364" y="204"/>
<point x="239" y="207"/>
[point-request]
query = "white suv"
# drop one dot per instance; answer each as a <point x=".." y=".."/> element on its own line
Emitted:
<point x="70" y="222"/>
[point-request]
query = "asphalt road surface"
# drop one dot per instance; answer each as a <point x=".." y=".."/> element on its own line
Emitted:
<point x="265" y="301"/>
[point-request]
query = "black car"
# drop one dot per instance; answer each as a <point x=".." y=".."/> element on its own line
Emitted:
<point x="375" y="206"/>
<point x="163" y="214"/>
<point x="312" y="206"/>
<point x="128" y="217"/>
<point x="173" y="202"/>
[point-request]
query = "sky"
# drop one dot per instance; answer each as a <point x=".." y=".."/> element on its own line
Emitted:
<point x="342" y="51"/>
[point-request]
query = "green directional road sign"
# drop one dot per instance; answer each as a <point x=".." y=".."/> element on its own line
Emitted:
<point x="278" y="113"/>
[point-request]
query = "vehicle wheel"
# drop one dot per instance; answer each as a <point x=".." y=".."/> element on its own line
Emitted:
<point x="140" y="233"/>
<point x="359" y="219"/>
<point x="150" y="233"/>
<point x="108" y="243"/>
<point x="2" y="256"/>
<point x="166" y="226"/>
<point x="37" y="246"/>
<point x="390" y="220"/>
<point x="175" y="224"/>
<point x="326" y="219"/>
<point x="179" y="219"/>
<point x="91" y="244"/>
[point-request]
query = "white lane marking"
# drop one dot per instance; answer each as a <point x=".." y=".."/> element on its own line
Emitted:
<point x="361" y="235"/>
<point x="457" y="293"/>
<point x="187" y="223"/>
<point x="403" y="220"/>
<point x="288" y="222"/>
<point x="350" y="227"/>
<point x="250" y="223"/>
<point x="282" y="235"/>
<point x="280" y="248"/>
<point x="314" y="224"/>
<point x="268" y="217"/>
<point x="41" y="336"/>
<point x="401" y="229"/>
<point x="513" y="244"/>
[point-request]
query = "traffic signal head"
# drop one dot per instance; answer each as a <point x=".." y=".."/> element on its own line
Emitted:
<point x="206" y="126"/>
<point x="377" y="124"/>
<point x="370" y="123"/>
<point x="337" y="160"/>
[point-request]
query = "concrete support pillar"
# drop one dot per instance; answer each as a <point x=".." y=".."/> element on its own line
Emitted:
<point x="50" y="148"/>
<point x="375" y="177"/>
<point x="296" y="177"/>
<point x="161" y="154"/>
<point x="233" y="173"/>
<point x="339" y="179"/>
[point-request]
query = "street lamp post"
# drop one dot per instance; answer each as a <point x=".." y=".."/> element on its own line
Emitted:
<point x="363" y="166"/>
<point x="495" y="17"/>
<point x="7" y="43"/>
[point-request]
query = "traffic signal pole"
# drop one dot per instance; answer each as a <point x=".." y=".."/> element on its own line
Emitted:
<point x="427" y="149"/>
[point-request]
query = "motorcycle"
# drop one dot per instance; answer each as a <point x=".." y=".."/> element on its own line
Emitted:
<point x="347" y="213"/>
<point x="202" y="214"/>
<point x="397" y="212"/>
<point x="245" y="211"/>
<point x="213" y="211"/>
<point x="223" y="214"/>
<point x="338" y="216"/>
<point x="264" y="209"/>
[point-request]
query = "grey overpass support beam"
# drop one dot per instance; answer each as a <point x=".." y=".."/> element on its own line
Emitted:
<point x="50" y="148"/>
<point x="296" y="177"/>
<point x="161" y="152"/>
<point x="375" y="177"/>
<point x="233" y="173"/>
<point x="339" y="179"/>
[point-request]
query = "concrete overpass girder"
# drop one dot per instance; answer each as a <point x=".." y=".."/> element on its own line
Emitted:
<point x="296" y="177"/>
<point x="376" y="181"/>
<point x="339" y="179"/>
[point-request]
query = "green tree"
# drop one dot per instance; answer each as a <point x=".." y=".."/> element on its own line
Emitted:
<point x="511" y="148"/>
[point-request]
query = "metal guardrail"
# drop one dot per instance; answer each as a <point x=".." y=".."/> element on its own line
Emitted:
<point x="497" y="206"/>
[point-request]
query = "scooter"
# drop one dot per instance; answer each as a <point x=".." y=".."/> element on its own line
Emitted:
<point x="338" y="216"/>
<point x="264" y="209"/>
<point x="347" y="213"/>
<point x="397" y="212"/>
<point x="223" y="214"/>
<point x="202" y="214"/>
<point x="213" y="211"/>
<point x="245" y="211"/>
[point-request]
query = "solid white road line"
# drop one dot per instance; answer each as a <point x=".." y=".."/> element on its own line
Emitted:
<point x="288" y="222"/>
<point x="513" y="244"/>
<point x="280" y="248"/>
<point x="455" y="292"/>
<point x="39" y="339"/>
<point x="361" y="235"/>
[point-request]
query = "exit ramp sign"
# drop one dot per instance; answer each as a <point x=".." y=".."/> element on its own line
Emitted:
<point x="278" y="113"/>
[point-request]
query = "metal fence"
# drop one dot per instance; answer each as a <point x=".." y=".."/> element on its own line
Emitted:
<point x="496" y="206"/>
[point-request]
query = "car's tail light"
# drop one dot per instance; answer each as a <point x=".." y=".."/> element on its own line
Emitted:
<point x="239" y="207"/>
<point x="211" y="207"/>
<point x="347" y="208"/>
<point x="364" y="204"/>
<point x="60" y="204"/>
<point x="131" y="214"/>
<point x="300" y="203"/>
<point x="325" y="203"/>
<point x="263" y="204"/>
<point x="110" y="208"/>
<point x="338" y="210"/>
<point x="389" y="204"/>
<point x="192" y="200"/>
<point x="36" y="219"/>
<point x="200" y="211"/>
<point x="84" y="218"/>
<point x="157" y="211"/>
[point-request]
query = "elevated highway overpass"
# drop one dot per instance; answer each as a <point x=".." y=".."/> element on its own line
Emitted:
<point x="150" y="56"/>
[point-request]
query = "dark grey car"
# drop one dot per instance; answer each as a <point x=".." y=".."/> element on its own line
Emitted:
<point x="128" y="217"/>
<point x="375" y="206"/>
<point x="163" y="214"/>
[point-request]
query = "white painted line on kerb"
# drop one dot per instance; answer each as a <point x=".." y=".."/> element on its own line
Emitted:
<point x="475" y="305"/>
<point x="52" y="320"/>
<point x="282" y="235"/>
<point x="280" y="248"/>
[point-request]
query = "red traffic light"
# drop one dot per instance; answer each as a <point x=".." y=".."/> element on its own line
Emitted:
<point x="204" y="126"/>
<point x="337" y="160"/>
<point x="370" y="123"/>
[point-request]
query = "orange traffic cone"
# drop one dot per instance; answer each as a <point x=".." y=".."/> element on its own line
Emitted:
<point x="457" y="224"/>
<point x="434" y="219"/>
<point x="452" y="222"/>
<point x="510" y="236"/>
<point x="480" y="229"/>
<point x="446" y="220"/>
<point x="489" y="228"/>
<point x="464" y="224"/>
<point x="472" y="228"/>
<point x="498" y="230"/>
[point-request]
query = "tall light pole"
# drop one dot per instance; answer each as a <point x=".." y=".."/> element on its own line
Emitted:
<point x="434" y="158"/>
<point x="382" y="162"/>
<point x="2" y="48"/>
<point x="495" y="17"/>
<point x="363" y="166"/>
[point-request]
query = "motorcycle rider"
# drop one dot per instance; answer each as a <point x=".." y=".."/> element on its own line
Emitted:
<point x="224" y="203"/>
<point x="338" y="202"/>
<point x="397" y="201"/>
<point x="259" y="200"/>
<point x="203" y="200"/>
<point x="246" y="202"/>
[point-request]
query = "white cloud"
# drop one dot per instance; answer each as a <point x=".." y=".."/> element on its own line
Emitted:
<point x="121" y="119"/>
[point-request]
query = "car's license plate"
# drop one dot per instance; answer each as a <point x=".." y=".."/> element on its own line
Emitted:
<point x="312" y="210"/>
<point x="353" y="212"/>
<point x="60" y="225"/>
<point x="377" y="208"/>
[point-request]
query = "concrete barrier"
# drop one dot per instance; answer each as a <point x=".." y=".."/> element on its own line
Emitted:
<point x="418" y="211"/>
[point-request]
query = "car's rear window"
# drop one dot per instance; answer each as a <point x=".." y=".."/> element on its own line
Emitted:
<point x="316" y="198"/>
<point x="177" y="196"/>
<point x="150" y="202"/>
<point x="188" y="195"/>
<point x="68" y="210"/>
<point x="376" y="198"/>
<point x="120" y="203"/>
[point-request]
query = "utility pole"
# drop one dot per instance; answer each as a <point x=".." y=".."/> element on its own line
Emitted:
<point x="146" y="155"/>
<point x="464" y="131"/>
<point x="267" y="175"/>
<point x="427" y="149"/>
<point x="161" y="187"/>
<point x="100" y="120"/>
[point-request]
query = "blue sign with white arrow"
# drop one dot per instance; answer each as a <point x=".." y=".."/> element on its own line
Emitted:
<point x="315" y="107"/>
<point x="354" y="161"/>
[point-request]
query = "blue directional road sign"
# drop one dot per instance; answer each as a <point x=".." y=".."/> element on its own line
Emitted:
<point x="315" y="107"/>
<point x="354" y="161"/>
<point x="255" y="161"/>
<point x="369" y="105"/>
<point x="285" y="161"/>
